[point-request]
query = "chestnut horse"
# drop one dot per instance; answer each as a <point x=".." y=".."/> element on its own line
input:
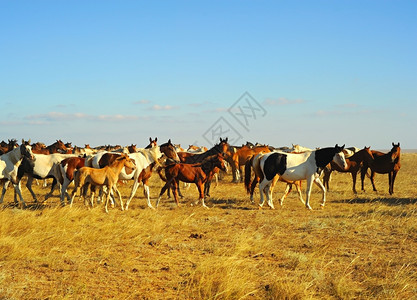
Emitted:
<point x="384" y="163"/>
<point x="57" y="147"/>
<point x="354" y="163"/>
<point x="242" y="155"/>
<point x="192" y="173"/>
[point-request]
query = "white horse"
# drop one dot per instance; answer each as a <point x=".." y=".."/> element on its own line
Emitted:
<point x="41" y="167"/>
<point x="9" y="164"/>
<point x="298" y="166"/>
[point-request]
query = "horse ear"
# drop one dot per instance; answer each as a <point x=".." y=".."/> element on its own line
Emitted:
<point x="29" y="142"/>
<point x="392" y="144"/>
<point x="150" y="140"/>
<point x="169" y="141"/>
<point x="156" y="139"/>
<point x="343" y="146"/>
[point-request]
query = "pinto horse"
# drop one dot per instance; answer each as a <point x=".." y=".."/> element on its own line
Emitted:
<point x="168" y="149"/>
<point x="9" y="164"/>
<point x="384" y="163"/>
<point x="254" y="163"/>
<point x="298" y="166"/>
<point x="354" y="164"/>
<point x="192" y="173"/>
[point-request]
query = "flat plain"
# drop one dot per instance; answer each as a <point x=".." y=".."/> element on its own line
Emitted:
<point x="359" y="246"/>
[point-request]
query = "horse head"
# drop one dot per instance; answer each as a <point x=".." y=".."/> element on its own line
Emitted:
<point x="368" y="156"/>
<point x="169" y="150"/>
<point x="339" y="157"/>
<point x="221" y="162"/>
<point x="395" y="152"/>
<point x="26" y="150"/>
<point x="152" y="143"/>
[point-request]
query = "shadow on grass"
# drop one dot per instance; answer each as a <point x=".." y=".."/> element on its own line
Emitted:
<point x="388" y="201"/>
<point x="228" y="204"/>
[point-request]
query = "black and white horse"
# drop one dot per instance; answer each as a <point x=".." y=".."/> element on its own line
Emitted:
<point x="298" y="166"/>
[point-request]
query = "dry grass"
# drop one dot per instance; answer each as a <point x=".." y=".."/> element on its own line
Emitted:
<point x="357" y="247"/>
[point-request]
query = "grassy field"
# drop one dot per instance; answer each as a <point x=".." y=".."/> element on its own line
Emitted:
<point x="361" y="247"/>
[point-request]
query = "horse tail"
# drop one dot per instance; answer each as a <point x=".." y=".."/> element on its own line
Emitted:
<point x="248" y="168"/>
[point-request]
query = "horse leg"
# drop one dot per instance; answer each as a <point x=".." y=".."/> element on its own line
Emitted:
<point x="147" y="195"/>
<point x="29" y="186"/>
<point x="3" y="192"/>
<point x="363" y="173"/>
<point x="268" y="192"/>
<point x="252" y="188"/>
<point x="119" y="195"/>
<point x="394" y="174"/>
<point x="174" y="187"/>
<point x="201" y="193"/>
<point x="308" y="191"/>
<point x="164" y="188"/>
<point x="207" y="185"/>
<point x="286" y="192"/>
<point x="372" y="180"/>
<point x="326" y="178"/>
<point x="298" y="187"/>
<point x="318" y="182"/>
<point x="18" y="190"/>
<point x="261" y="187"/>
<point x="354" y="174"/>
<point x="53" y="186"/>
<point x="133" y="192"/>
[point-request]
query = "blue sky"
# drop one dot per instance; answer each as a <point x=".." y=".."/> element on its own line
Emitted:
<point x="118" y="72"/>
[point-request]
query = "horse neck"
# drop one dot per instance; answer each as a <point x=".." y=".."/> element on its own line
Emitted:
<point x="117" y="166"/>
<point x="208" y="166"/>
<point x="324" y="156"/>
<point x="14" y="156"/>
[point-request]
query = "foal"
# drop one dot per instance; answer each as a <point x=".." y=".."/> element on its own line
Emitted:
<point x="107" y="176"/>
<point x="192" y="173"/>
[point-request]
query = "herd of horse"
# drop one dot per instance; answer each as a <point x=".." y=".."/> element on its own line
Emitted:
<point x="101" y="168"/>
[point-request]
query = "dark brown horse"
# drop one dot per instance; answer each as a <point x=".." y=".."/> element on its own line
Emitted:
<point x="6" y="147"/>
<point x="57" y="147"/>
<point x="354" y="164"/>
<point x="384" y="163"/>
<point x="192" y="173"/>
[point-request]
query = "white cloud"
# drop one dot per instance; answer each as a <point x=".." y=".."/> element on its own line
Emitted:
<point x="158" y="107"/>
<point x="41" y="119"/>
<point x="283" y="101"/>
<point x="143" y="101"/>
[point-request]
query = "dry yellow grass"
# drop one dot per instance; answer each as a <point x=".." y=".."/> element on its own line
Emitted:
<point x="357" y="247"/>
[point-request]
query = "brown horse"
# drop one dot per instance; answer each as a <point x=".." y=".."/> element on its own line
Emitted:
<point x="192" y="173"/>
<point x="354" y="164"/>
<point x="254" y="163"/>
<point x="6" y="147"/>
<point x="107" y="176"/>
<point x="57" y="147"/>
<point x="242" y="155"/>
<point x="384" y="163"/>
<point x="222" y="147"/>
